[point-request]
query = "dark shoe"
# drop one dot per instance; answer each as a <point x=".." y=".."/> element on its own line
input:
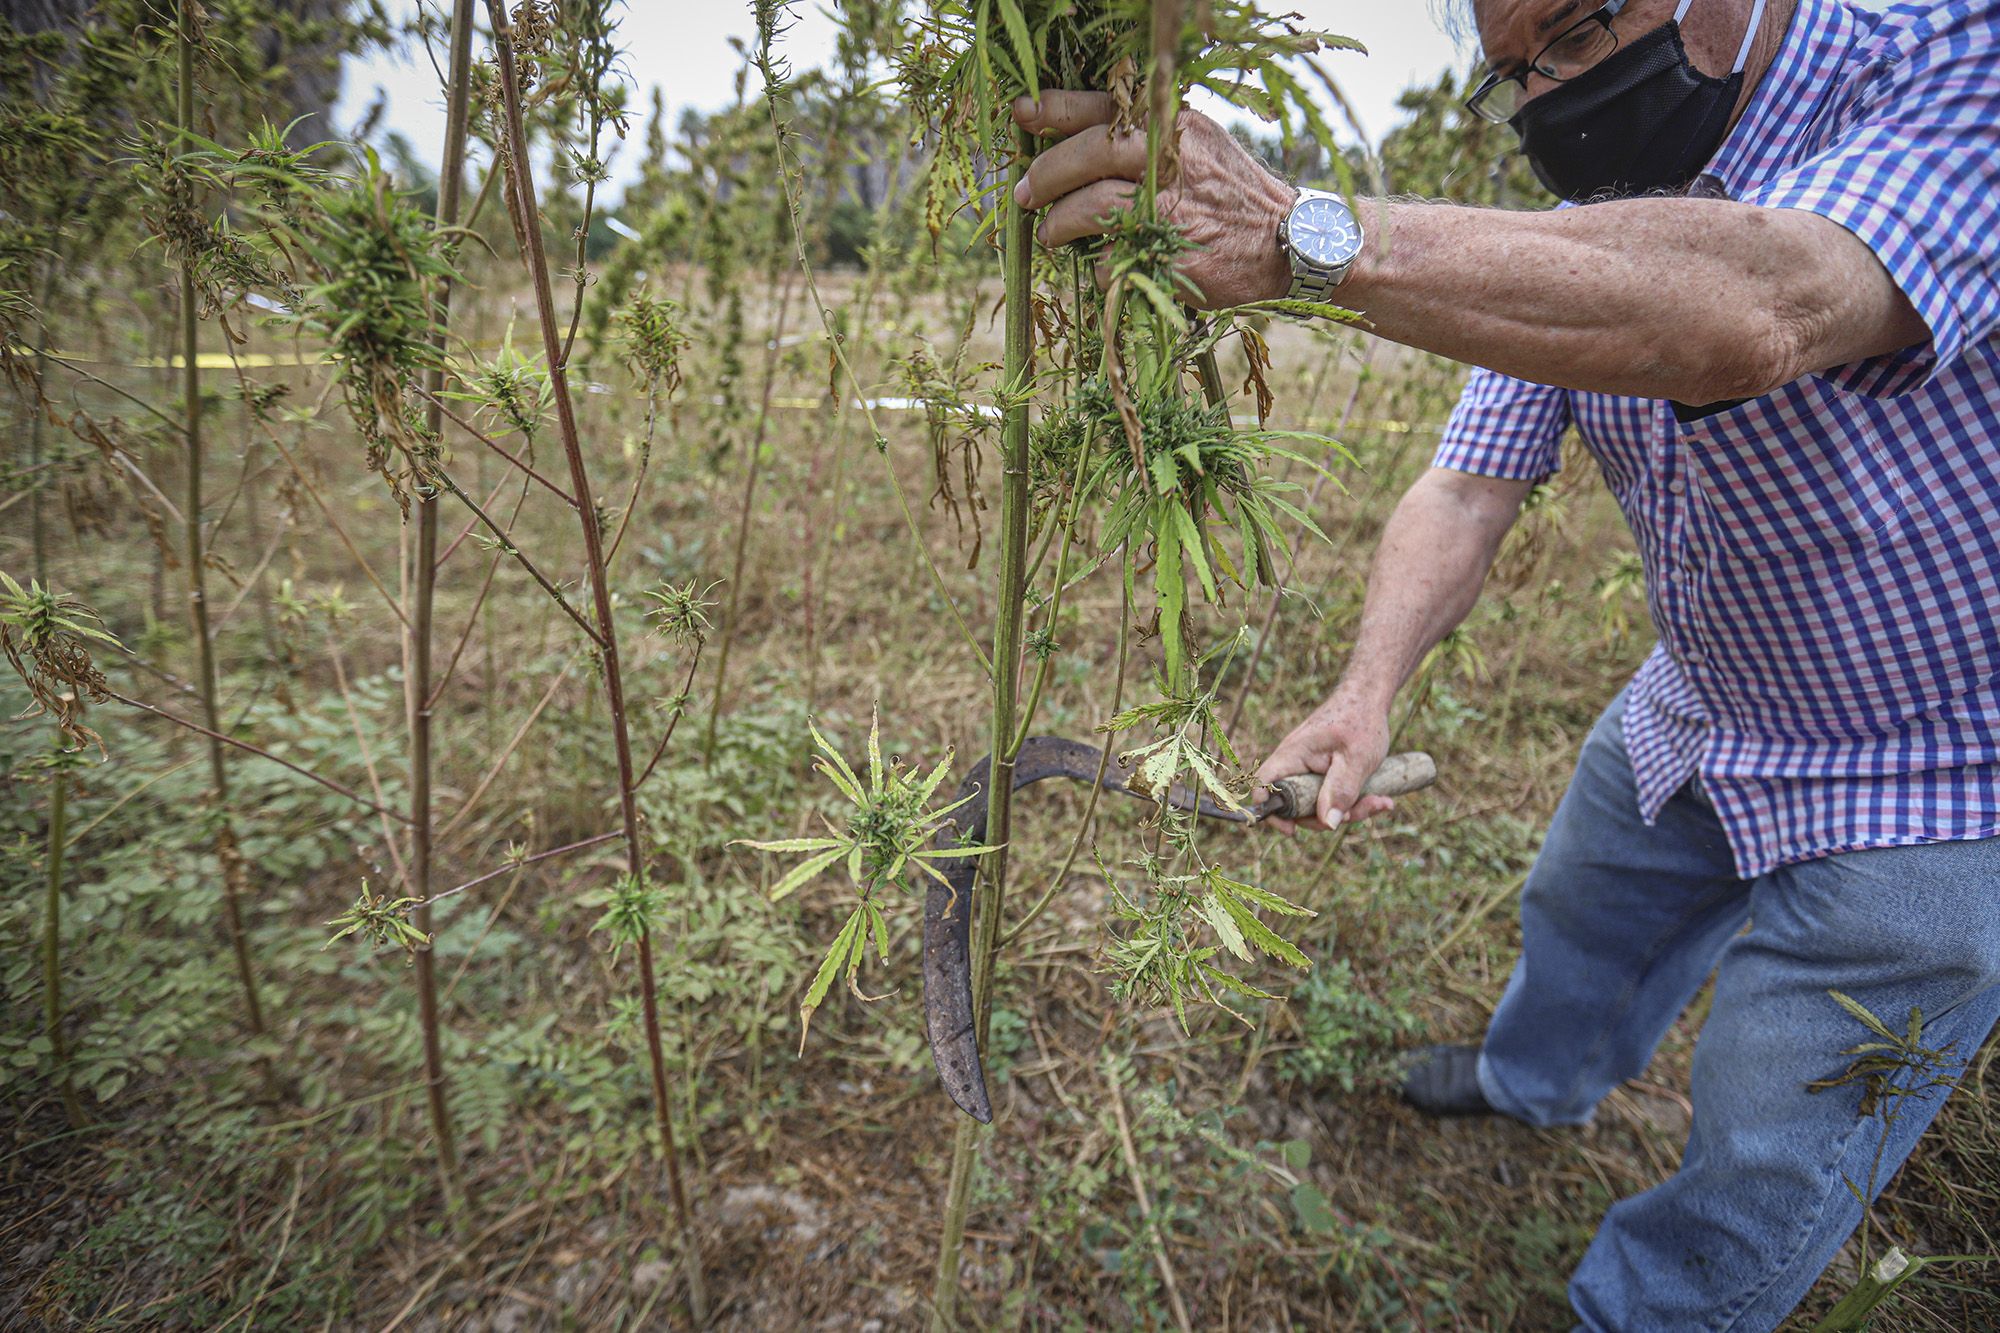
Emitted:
<point x="1444" y="1080"/>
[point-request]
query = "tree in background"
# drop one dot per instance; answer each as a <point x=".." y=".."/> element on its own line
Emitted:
<point x="1443" y="151"/>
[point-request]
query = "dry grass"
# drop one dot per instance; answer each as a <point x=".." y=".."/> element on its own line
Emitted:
<point x="820" y="1177"/>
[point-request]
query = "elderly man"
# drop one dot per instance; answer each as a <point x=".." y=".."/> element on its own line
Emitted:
<point x="1774" y="325"/>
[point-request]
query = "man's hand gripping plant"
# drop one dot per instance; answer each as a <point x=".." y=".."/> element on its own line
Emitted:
<point x="1135" y="463"/>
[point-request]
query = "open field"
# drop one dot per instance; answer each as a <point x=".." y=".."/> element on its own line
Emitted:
<point x="196" y="1192"/>
<point x="380" y="945"/>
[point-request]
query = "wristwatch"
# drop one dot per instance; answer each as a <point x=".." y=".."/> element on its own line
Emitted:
<point x="1320" y="238"/>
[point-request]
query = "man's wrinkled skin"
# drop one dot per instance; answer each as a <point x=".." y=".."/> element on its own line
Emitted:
<point x="1690" y="300"/>
<point x="1222" y="199"/>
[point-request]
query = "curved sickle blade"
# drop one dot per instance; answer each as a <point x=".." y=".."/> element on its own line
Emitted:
<point x="948" y="1015"/>
<point x="948" y="1010"/>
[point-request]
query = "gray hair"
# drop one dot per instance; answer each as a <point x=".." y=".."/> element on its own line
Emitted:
<point x="1457" y="19"/>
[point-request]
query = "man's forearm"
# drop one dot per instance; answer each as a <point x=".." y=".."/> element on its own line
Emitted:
<point x="1696" y="300"/>
<point x="1687" y="299"/>
<point x="1428" y="570"/>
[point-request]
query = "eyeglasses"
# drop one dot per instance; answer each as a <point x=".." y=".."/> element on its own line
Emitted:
<point x="1576" y="49"/>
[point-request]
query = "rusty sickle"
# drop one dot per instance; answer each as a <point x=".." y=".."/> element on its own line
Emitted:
<point x="948" y="1009"/>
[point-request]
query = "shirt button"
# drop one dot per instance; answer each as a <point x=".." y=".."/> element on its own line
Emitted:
<point x="1677" y="487"/>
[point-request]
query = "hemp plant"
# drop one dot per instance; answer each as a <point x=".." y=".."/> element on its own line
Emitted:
<point x="582" y="47"/>
<point x="363" y="270"/>
<point x="1134" y="460"/>
<point x="46" y="637"/>
<point x="207" y="257"/>
<point x="890" y="830"/>
<point x="420" y="574"/>
<point x="1892" y="1069"/>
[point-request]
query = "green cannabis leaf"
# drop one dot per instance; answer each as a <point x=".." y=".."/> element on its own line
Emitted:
<point x="890" y="829"/>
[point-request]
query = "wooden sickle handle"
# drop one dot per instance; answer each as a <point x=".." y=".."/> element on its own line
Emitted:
<point x="1399" y="775"/>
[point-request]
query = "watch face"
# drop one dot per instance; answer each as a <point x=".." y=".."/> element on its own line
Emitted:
<point x="1324" y="232"/>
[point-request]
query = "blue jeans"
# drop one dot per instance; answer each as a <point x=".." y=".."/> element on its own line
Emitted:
<point x="1620" y="925"/>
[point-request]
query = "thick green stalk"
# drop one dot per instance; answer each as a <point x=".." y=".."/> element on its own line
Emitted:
<point x="230" y="857"/>
<point x="1162" y="93"/>
<point x="52" y="1006"/>
<point x="528" y="224"/>
<point x="1018" y="240"/>
<point x="421" y="578"/>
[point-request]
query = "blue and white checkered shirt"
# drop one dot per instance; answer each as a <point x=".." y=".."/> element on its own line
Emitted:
<point x="1823" y="563"/>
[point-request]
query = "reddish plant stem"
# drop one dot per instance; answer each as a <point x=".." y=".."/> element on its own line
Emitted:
<point x="421" y="577"/>
<point x="507" y="544"/>
<point x="512" y="866"/>
<point x="527" y="222"/>
<point x="492" y="498"/>
<point x="261" y="753"/>
<point x="442" y="679"/>
<point x="687" y="683"/>
<point x="435" y="409"/>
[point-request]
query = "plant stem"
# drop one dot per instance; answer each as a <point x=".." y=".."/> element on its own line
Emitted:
<point x="217" y="738"/>
<point x="225" y="837"/>
<point x="529" y="228"/>
<point x="512" y="866"/>
<point x="752" y="468"/>
<point x="52" y="1006"/>
<point x="421" y="578"/>
<point x="1018" y="239"/>
<point x="436" y="411"/>
<point x="673" y="723"/>
<point x="506" y="540"/>
<point x="1061" y="877"/>
<point x="1212" y="387"/>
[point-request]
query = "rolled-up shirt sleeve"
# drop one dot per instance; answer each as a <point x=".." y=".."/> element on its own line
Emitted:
<point x="1504" y="427"/>
<point x="1916" y="177"/>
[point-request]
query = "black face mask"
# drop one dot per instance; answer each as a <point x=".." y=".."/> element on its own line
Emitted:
<point x="1642" y="120"/>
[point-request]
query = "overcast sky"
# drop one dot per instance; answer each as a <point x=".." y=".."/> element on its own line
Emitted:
<point x="682" y="47"/>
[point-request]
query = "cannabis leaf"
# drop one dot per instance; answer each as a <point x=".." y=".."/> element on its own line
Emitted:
<point x="890" y="829"/>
